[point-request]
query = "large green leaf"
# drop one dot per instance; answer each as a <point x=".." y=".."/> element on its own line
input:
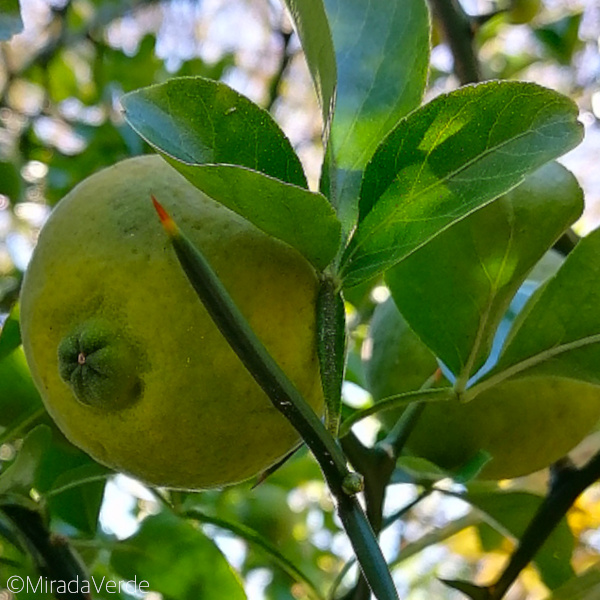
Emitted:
<point x="177" y="560"/>
<point x="20" y="476"/>
<point x="449" y="158"/>
<point x="558" y="332"/>
<point x="313" y="30"/>
<point x="584" y="587"/>
<point x="511" y="513"/>
<point x="454" y="290"/>
<point x="10" y="333"/>
<point x="18" y="395"/>
<point x="200" y="121"/>
<point x="72" y="485"/>
<point x="10" y="19"/>
<point x="302" y="219"/>
<point x="382" y="53"/>
<point x="234" y="152"/>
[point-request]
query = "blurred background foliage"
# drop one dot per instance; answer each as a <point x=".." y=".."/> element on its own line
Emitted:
<point x="60" y="120"/>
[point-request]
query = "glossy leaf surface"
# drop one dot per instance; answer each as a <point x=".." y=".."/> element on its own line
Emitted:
<point x="382" y="71"/>
<point x="454" y="291"/>
<point x="177" y="560"/>
<point x="558" y="332"/>
<point x="312" y="26"/>
<point x="200" y="121"/>
<point x="449" y="158"/>
<point x="234" y="152"/>
<point x="302" y="219"/>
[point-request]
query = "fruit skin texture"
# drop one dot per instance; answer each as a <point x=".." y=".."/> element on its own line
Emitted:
<point x="525" y="424"/>
<point x="199" y="420"/>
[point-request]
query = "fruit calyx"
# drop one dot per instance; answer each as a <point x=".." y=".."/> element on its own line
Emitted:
<point x="99" y="366"/>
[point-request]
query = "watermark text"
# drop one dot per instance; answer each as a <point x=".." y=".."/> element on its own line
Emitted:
<point x="17" y="584"/>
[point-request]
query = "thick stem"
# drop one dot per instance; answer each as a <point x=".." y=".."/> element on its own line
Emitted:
<point x="288" y="400"/>
<point x="331" y="347"/>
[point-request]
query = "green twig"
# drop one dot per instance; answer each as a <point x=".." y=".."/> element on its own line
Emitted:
<point x="377" y="465"/>
<point x="285" y="398"/>
<point x="331" y="347"/>
<point x="386" y="523"/>
<point x="396" y="402"/>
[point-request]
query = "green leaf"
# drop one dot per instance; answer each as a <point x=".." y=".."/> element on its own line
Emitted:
<point x="313" y="30"/>
<point x="558" y="332"/>
<point x="382" y="52"/>
<point x="72" y="485"/>
<point x="302" y="219"/>
<point x="20" y="476"/>
<point x="454" y="290"/>
<point x="235" y="153"/>
<point x="584" y="587"/>
<point x="561" y="38"/>
<point x="200" y="121"/>
<point x="18" y="395"/>
<point x="475" y="592"/>
<point x="11" y="184"/>
<point x="449" y="158"/>
<point x="177" y="560"/>
<point x="254" y="538"/>
<point x="10" y="19"/>
<point x="511" y="513"/>
<point x="10" y="334"/>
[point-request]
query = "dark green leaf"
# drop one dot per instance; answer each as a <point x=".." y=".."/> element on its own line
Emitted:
<point x="454" y="290"/>
<point x="449" y="158"/>
<point x="199" y="121"/>
<point x="302" y="219"/>
<point x="561" y="38"/>
<point x="254" y="538"/>
<point x="584" y="587"/>
<point x="511" y="513"/>
<point x="19" y="397"/>
<point x="177" y="560"/>
<point x="475" y="592"/>
<point x="20" y="476"/>
<point x="558" y="332"/>
<point x="382" y="53"/>
<point x="10" y="181"/>
<point x="10" y="333"/>
<point x="313" y="30"/>
<point x="10" y="19"/>
<point x="72" y="484"/>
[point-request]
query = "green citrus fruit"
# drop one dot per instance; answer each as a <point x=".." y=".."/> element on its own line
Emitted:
<point x="525" y="424"/>
<point x="127" y="360"/>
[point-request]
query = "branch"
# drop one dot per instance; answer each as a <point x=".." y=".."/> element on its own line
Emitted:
<point x="286" y="56"/>
<point x="459" y="31"/>
<point x="567" y="484"/>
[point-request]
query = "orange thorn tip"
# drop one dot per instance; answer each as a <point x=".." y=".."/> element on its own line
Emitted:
<point x="164" y="217"/>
